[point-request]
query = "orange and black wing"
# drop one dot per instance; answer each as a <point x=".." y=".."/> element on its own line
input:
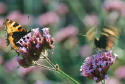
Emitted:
<point x="14" y="32"/>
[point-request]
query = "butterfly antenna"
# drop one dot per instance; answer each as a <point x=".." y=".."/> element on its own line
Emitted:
<point x="29" y="22"/>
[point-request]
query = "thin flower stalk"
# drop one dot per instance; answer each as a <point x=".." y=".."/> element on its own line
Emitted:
<point x="56" y="69"/>
<point x="34" y="49"/>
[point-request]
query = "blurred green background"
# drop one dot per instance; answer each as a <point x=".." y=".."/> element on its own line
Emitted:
<point x="68" y="20"/>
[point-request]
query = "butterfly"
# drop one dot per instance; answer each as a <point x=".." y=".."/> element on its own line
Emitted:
<point x="106" y="39"/>
<point x="14" y="32"/>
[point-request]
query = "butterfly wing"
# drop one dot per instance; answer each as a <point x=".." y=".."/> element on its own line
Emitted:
<point x="92" y="32"/>
<point x="14" y="32"/>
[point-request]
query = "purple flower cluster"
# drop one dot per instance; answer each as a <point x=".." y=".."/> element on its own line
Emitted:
<point x="96" y="66"/>
<point x="33" y="44"/>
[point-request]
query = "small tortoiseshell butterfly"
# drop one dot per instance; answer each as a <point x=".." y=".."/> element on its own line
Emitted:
<point x="14" y="32"/>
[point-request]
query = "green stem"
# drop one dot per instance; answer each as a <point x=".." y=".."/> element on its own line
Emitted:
<point x="57" y="69"/>
<point x="103" y="81"/>
<point x="67" y="77"/>
<point x="62" y="73"/>
<point x="48" y="60"/>
<point x="43" y="66"/>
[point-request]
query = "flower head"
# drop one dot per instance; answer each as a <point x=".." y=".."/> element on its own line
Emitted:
<point x="91" y="20"/>
<point x="11" y="65"/>
<point x="2" y="8"/>
<point x="24" y="71"/>
<point x="33" y="44"/>
<point x="96" y="66"/>
<point x="48" y="18"/>
<point x="113" y="5"/>
<point x="120" y="72"/>
<point x="65" y="33"/>
<point x="61" y="9"/>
